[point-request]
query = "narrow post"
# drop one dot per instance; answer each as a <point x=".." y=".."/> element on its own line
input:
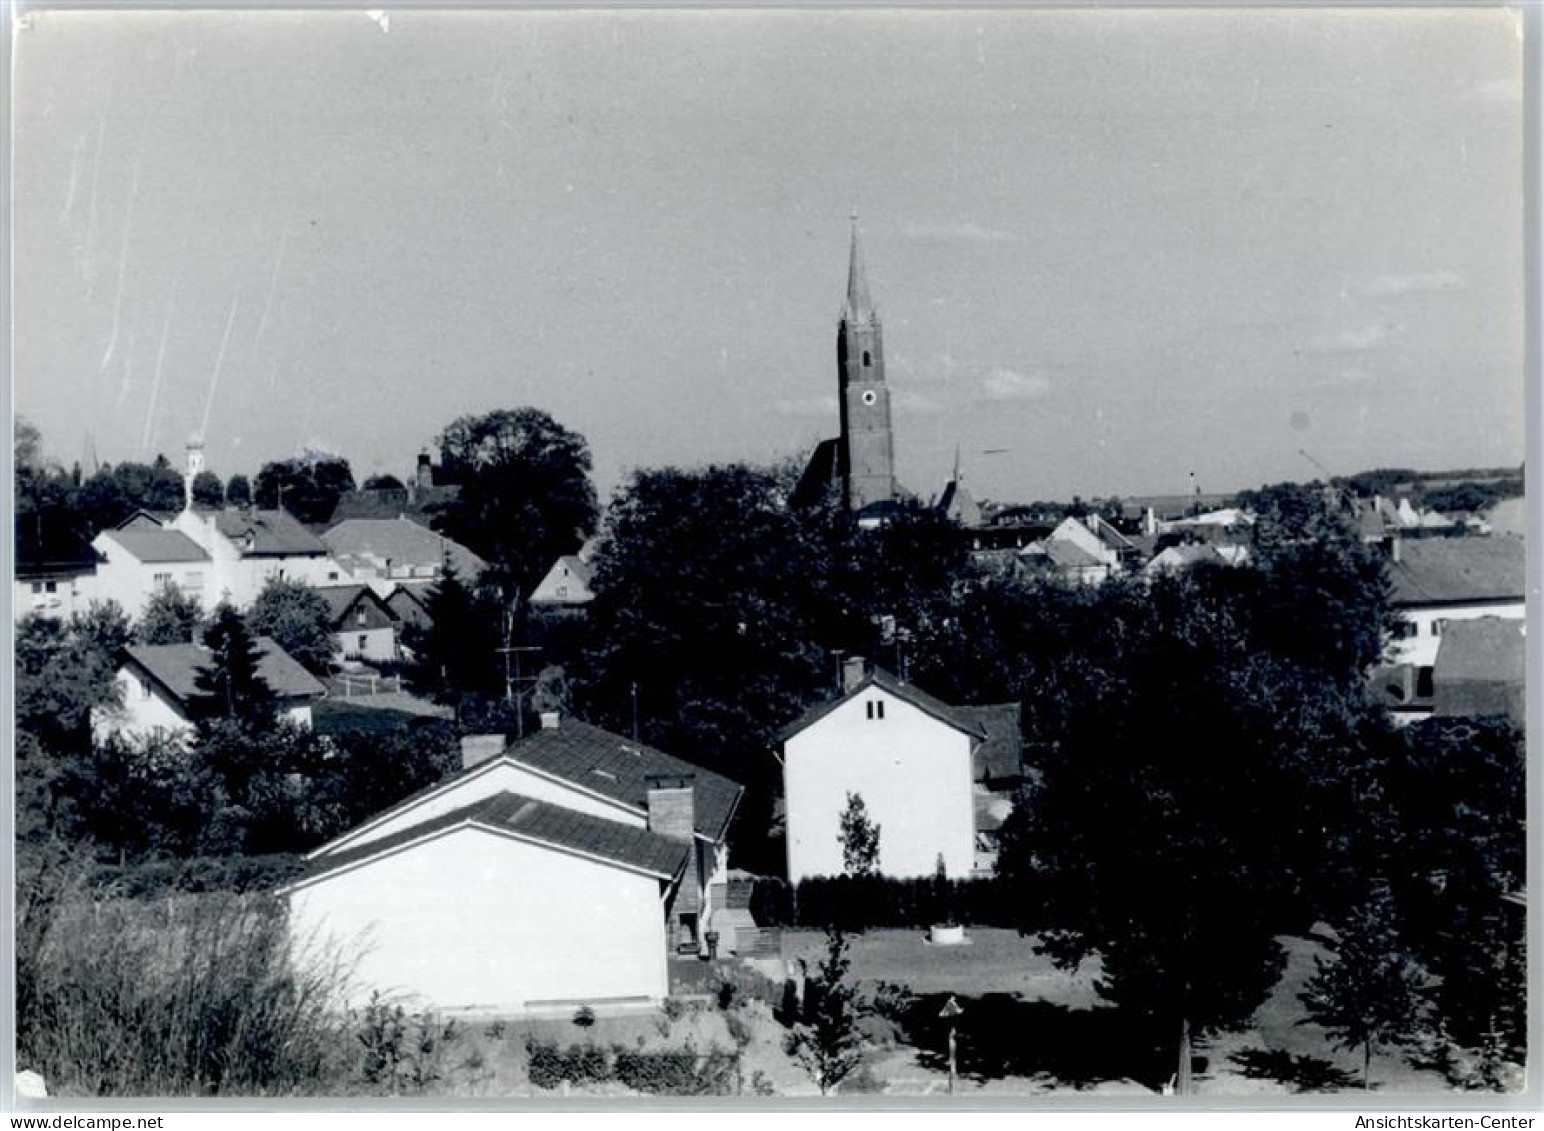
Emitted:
<point x="1182" y="1082"/>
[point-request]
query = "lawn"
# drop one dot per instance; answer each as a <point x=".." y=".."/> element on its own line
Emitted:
<point x="1029" y="1027"/>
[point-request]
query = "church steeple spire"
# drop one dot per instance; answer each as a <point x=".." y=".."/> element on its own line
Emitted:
<point x="859" y="308"/>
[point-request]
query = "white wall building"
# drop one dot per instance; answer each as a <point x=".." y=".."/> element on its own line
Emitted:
<point x="1436" y="581"/>
<point x="907" y="755"/>
<point x="248" y="547"/>
<point x="555" y="871"/>
<point x="156" y="681"/>
<point x="140" y="559"/>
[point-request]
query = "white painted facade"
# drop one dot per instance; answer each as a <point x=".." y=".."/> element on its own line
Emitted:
<point x="237" y="577"/>
<point x="124" y="578"/>
<point x="480" y="921"/>
<point x="913" y="772"/>
<point x="1419" y="648"/>
<point x="58" y="597"/>
<point x="366" y="644"/>
<point x="144" y="709"/>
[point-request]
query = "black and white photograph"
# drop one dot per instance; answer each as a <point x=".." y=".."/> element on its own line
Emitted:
<point x="770" y="555"/>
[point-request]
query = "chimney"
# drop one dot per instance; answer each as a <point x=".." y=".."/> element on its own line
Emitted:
<point x="672" y="806"/>
<point x="425" y="471"/>
<point x="549" y="720"/>
<point x="854" y="669"/>
<point x="479" y="748"/>
<point x="1396" y="555"/>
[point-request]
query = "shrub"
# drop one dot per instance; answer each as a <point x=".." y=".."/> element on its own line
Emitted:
<point x="550" y="1067"/>
<point x="197" y="995"/>
<point x="856" y="903"/>
<point x="676" y="1072"/>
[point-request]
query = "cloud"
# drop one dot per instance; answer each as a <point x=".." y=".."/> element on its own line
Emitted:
<point x="806" y="406"/>
<point x="1357" y="340"/>
<point x="1011" y="385"/>
<point x="959" y="230"/>
<point x="1416" y="282"/>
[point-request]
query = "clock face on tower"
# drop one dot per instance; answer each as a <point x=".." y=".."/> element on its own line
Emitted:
<point x="869" y="396"/>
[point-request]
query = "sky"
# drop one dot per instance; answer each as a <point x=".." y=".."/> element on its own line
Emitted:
<point x="1112" y="250"/>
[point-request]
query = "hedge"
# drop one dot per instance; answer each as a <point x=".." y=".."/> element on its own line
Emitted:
<point x="855" y="903"/>
<point x="675" y="1072"/>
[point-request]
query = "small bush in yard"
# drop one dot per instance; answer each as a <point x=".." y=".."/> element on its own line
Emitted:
<point x="550" y="1067"/>
<point x="677" y="1072"/>
<point x="382" y="1034"/>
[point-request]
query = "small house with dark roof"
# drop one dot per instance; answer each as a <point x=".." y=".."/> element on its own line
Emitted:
<point x="935" y="778"/>
<point x="363" y="626"/>
<point x="155" y="683"/>
<point x="554" y="871"/>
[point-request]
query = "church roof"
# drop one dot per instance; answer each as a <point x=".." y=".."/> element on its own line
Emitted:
<point x="860" y="307"/>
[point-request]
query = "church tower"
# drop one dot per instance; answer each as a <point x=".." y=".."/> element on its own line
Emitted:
<point x="865" y="453"/>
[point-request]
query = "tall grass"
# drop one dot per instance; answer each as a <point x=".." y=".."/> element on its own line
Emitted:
<point x="181" y="995"/>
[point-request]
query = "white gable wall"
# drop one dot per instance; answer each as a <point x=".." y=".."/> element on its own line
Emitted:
<point x="143" y="709"/>
<point x="913" y="773"/>
<point x="132" y="583"/>
<point x="471" y="920"/>
<point x="499" y="777"/>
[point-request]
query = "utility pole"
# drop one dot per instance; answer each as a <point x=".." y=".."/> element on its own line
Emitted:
<point x="636" y="738"/>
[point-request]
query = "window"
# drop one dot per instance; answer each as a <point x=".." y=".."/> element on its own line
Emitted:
<point x="37" y="587"/>
<point x="876" y="709"/>
<point x="50" y="587"/>
<point x="1439" y="626"/>
<point x="332" y="575"/>
<point x="867" y="360"/>
<point x="360" y="618"/>
<point x="562" y="591"/>
<point x="1423" y="684"/>
<point x="364" y="640"/>
<point x="162" y="580"/>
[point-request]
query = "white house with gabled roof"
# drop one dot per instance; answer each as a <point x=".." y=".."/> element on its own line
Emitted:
<point x="919" y="765"/>
<point x="555" y="871"/>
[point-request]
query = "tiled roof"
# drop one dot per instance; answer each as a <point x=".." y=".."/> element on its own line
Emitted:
<point x="909" y="692"/>
<point x="272" y="531"/>
<point x="340" y="599"/>
<point x="1481" y="667"/>
<point x="403" y="543"/>
<point x="175" y="666"/>
<point x="155" y="545"/>
<point x="1452" y="570"/>
<point x="619" y="768"/>
<point x="536" y="821"/>
<point x="1000" y="755"/>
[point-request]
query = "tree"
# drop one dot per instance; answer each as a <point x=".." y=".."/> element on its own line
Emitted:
<point x="525" y="494"/>
<point x="1452" y="838"/>
<point x="827" y="1043"/>
<point x="229" y="686"/>
<point x="64" y="670"/>
<point x="298" y="619"/>
<point x="456" y="655"/>
<point x="208" y="491"/>
<point x="860" y="839"/>
<point x="238" y="491"/>
<point x="1370" y="995"/>
<point x="307" y="486"/>
<point x="170" y="617"/>
<point x="383" y="483"/>
<point x="1176" y="783"/>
